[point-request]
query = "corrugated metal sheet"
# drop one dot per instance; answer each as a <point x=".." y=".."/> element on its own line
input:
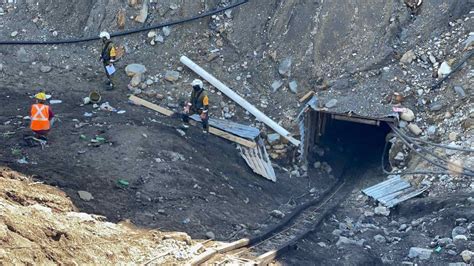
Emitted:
<point x="257" y="158"/>
<point x="393" y="191"/>
<point x="237" y="129"/>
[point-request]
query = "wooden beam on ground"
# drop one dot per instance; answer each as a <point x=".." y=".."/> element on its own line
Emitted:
<point x="306" y="96"/>
<point x="203" y="257"/>
<point x="232" y="246"/>
<point x="228" y="136"/>
<point x="150" y="105"/>
<point x="214" y="131"/>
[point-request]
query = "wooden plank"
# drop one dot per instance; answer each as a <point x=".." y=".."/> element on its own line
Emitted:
<point x="266" y="258"/>
<point x="214" y="131"/>
<point x="150" y="105"/>
<point x="227" y="136"/>
<point x="233" y="246"/>
<point x="203" y="257"/>
<point x="306" y="96"/>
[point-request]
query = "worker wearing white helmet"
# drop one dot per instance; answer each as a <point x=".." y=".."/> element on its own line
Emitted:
<point x="199" y="104"/>
<point x="108" y="56"/>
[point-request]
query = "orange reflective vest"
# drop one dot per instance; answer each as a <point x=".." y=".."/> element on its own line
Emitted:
<point x="40" y="117"/>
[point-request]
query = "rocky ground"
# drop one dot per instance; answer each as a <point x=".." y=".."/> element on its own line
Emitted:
<point x="286" y="49"/>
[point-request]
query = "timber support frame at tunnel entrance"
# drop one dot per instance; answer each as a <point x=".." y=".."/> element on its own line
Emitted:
<point x="314" y="123"/>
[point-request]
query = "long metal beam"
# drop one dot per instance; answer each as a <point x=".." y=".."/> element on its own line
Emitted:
<point x="238" y="99"/>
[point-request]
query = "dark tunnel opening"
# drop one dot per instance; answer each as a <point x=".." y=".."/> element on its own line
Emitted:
<point x="346" y="143"/>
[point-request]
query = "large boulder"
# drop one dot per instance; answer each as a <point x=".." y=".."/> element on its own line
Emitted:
<point x="135" y="69"/>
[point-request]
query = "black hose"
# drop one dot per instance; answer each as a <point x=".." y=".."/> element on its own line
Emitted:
<point x="421" y="172"/>
<point x="127" y="32"/>
<point x="456" y="68"/>
<point x="423" y="156"/>
<point x="401" y="134"/>
<point x="297" y="211"/>
<point x="441" y="145"/>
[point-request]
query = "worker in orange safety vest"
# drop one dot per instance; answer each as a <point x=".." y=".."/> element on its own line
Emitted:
<point x="41" y="116"/>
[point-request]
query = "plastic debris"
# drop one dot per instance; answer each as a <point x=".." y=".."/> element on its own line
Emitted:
<point x="106" y="107"/>
<point x="121" y="112"/>
<point x="55" y="101"/>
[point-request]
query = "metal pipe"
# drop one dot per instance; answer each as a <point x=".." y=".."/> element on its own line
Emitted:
<point x="241" y="101"/>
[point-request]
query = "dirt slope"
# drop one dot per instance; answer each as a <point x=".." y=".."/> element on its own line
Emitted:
<point x="40" y="225"/>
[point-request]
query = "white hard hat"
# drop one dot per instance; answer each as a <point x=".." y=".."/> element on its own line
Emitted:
<point x="104" y="34"/>
<point x="197" y="82"/>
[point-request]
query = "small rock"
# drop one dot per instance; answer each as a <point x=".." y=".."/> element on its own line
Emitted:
<point x="459" y="238"/>
<point x="467" y="255"/>
<point x="432" y="59"/>
<point x="453" y="136"/>
<point x="331" y="103"/>
<point x="143" y="14"/>
<point x="414" y="129"/>
<point x="434" y="107"/>
<point x="444" y="69"/>
<point x="151" y="34"/>
<point x="84" y="195"/>
<point x="460" y="91"/>
<point x="159" y="38"/>
<point x="380" y="239"/>
<point x="408" y="115"/>
<point x="285" y="67"/>
<point x="382" y="210"/>
<point x="273" y="138"/>
<point x="431" y="131"/>
<point x="136" y="80"/>
<point x="403" y="227"/>
<point x="276" y="85"/>
<point x="210" y="235"/>
<point x="166" y="31"/>
<point x="45" y="69"/>
<point x="294" y="86"/>
<point x="277" y="214"/>
<point x="172" y="75"/>
<point x="458" y="230"/>
<point x="408" y="57"/>
<point x="421" y="253"/>
<point x="14" y="34"/>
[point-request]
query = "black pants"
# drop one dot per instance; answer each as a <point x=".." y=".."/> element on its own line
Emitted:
<point x="205" y="122"/>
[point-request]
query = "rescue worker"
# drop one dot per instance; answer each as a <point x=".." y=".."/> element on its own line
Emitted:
<point x="199" y="104"/>
<point x="108" y="56"/>
<point x="41" y="117"/>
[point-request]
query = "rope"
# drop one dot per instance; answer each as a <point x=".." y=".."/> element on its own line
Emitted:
<point x="127" y="32"/>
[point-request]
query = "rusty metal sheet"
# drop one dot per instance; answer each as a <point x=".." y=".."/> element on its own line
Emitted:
<point x="393" y="191"/>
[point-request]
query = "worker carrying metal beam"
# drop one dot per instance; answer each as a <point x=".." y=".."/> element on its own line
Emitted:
<point x="199" y="104"/>
<point x="108" y="57"/>
<point x="41" y="117"/>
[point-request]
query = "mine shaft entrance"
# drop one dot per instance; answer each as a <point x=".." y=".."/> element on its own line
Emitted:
<point x="345" y="141"/>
